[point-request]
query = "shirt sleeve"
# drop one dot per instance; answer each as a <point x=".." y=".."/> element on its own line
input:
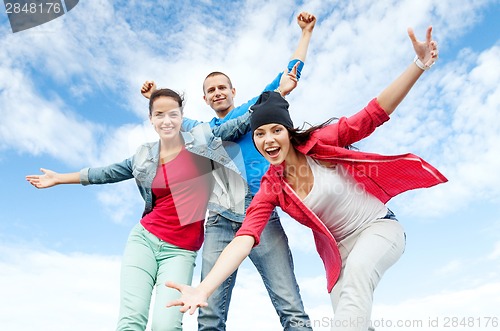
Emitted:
<point x="240" y="110"/>
<point x="113" y="173"/>
<point x="188" y="124"/>
<point x="233" y="129"/>
<point x="349" y="130"/>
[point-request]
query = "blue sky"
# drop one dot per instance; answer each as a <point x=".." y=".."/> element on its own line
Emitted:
<point x="69" y="98"/>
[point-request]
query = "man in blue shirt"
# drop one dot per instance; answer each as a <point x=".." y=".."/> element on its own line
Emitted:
<point x="272" y="257"/>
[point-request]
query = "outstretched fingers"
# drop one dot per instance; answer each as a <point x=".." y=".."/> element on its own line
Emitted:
<point x="427" y="51"/>
<point x="190" y="300"/>
<point x="412" y="36"/>
<point x="433" y="47"/>
<point x="185" y="306"/>
<point x="35" y="180"/>
<point x="428" y="35"/>
<point x="293" y="73"/>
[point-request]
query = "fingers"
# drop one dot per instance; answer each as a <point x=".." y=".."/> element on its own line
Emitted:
<point x="185" y="307"/>
<point x="174" y="303"/>
<point x="189" y="301"/>
<point x="428" y="35"/>
<point x="175" y="286"/>
<point x="33" y="180"/>
<point x="193" y="309"/>
<point x="293" y="73"/>
<point x="411" y="34"/>
<point x="434" y="48"/>
<point x="147" y="86"/>
<point x="434" y="53"/>
<point x="306" y="17"/>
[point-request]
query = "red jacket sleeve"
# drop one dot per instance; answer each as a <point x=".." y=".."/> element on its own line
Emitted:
<point x="351" y="129"/>
<point x="259" y="211"/>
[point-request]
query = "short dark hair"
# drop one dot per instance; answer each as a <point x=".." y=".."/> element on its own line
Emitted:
<point x="217" y="73"/>
<point x="165" y="92"/>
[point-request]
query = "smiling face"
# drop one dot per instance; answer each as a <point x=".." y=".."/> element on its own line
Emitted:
<point x="219" y="94"/>
<point x="166" y="117"/>
<point x="273" y="142"/>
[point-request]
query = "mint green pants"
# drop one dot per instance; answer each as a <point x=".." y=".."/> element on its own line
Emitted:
<point x="149" y="262"/>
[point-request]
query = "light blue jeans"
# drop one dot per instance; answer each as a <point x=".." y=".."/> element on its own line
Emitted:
<point x="273" y="260"/>
<point x="366" y="255"/>
<point x="149" y="262"/>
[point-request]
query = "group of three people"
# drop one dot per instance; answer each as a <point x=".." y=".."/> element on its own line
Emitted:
<point x="309" y="174"/>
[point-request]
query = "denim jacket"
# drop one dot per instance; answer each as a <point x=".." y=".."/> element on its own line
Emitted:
<point x="231" y="188"/>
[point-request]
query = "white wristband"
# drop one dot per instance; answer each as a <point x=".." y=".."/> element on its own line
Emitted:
<point x="420" y="64"/>
<point x="277" y="90"/>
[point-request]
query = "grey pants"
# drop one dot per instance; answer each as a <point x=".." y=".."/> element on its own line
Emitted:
<point x="366" y="255"/>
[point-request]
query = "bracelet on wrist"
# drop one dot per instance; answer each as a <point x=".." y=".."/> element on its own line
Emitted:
<point x="421" y="65"/>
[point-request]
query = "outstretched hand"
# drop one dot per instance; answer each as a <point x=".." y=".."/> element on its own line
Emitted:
<point x="306" y="21"/>
<point x="148" y="88"/>
<point x="48" y="179"/>
<point x="191" y="298"/>
<point x="289" y="81"/>
<point x="427" y="50"/>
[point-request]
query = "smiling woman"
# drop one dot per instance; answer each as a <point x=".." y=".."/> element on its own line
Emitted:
<point x="175" y="177"/>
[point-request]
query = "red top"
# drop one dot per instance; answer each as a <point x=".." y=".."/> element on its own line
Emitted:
<point x="382" y="176"/>
<point x="181" y="189"/>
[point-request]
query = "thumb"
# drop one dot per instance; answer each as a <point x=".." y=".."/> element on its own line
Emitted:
<point x="173" y="285"/>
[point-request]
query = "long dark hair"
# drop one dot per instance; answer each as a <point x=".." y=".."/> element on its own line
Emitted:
<point x="299" y="136"/>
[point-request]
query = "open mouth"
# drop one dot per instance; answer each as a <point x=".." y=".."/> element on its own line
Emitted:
<point x="273" y="151"/>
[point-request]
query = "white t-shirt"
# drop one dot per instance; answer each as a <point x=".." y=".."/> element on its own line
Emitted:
<point x="339" y="201"/>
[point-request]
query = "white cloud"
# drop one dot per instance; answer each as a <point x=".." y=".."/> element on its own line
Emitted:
<point x="38" y="126"/>
<point x="58" y="289"/>
<point x="496" y="252"/>
<point x="450" y="268"/>
<point x="300" y="237"/>
<point x="121" y="202"/>
<point x="465" y="139"/>
<point x="475" y="306"/>
<point x="94" y="56"/>
<point x="449" y="118"/>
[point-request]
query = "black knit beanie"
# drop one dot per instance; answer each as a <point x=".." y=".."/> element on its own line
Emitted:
<point x="271" y="107"/>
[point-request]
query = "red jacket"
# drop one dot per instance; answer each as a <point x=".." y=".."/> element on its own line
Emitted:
<point x="382" y="176"/>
